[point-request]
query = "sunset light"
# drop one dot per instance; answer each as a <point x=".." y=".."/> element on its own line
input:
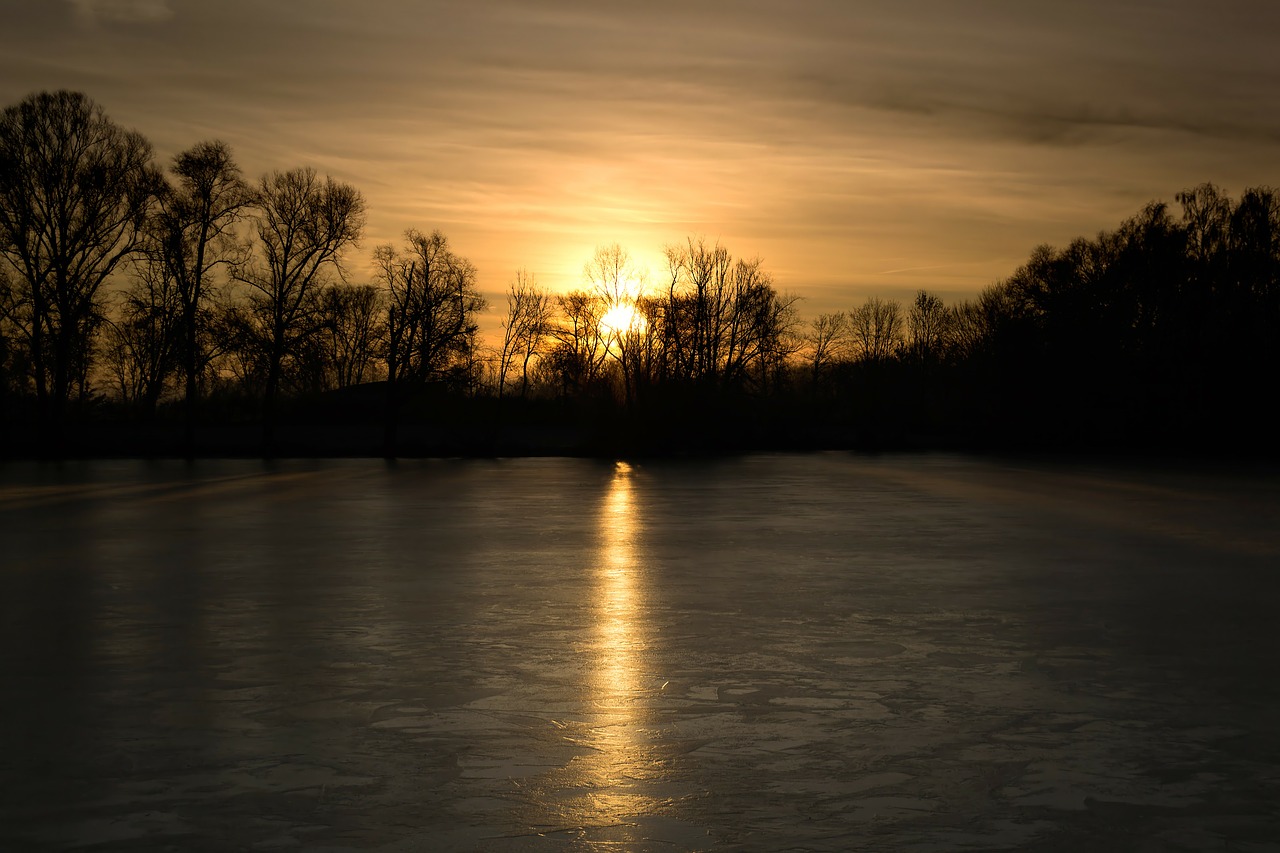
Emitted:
<point x="560" y="425"/>
<point x="816" y="191"/>
<point x="612" y="780"/>
<point x="621" y="320"/>
<point x="860" y="148"/>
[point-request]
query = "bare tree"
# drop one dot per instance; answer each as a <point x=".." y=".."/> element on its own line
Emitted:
<point x="697" y="301"/>
<point x="525" y="329"/>
<point x="877" y="329"/>
<point x="75" y="194"/>
<point x="242" y="352"/>
<point x="929" y="325"/>
<point x="304" y="224"/>
<point x="827" y="340"/>
<point x="725" y="325"/>
<point x="1206" y="216"/>
<point x="644" y="353"/>
<point x="759" y="329"/>
<point x="350" y="329"/>
<point x="433" y="307"/>
<point x="619" y="285"/>
<point x="577" y="356"/>
<point x="143" y="338"/>
<point x="15" y="345"/>
<point x="969" y="329"/>
<point x="613" y="276"/>
<point x="193" y="235"/>
<point x="431" y="329"/>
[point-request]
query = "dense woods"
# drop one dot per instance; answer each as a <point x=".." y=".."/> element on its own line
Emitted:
<point x="190" y="310"/>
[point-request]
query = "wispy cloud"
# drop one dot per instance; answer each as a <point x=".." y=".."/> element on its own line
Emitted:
<point x="122" y="11"/>
<point x="855" y="145"/>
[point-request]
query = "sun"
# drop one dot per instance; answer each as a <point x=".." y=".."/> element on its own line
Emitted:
<point x="622" y="319"/>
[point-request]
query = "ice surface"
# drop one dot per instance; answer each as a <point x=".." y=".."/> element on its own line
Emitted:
<point x="824" y="652"/>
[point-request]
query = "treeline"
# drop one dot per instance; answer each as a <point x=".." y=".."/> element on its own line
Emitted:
<point x="1160" y="333"/>
<point x="167" y="308"/>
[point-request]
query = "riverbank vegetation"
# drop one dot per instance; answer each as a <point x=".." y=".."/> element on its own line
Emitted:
<point x="189" y="310"/>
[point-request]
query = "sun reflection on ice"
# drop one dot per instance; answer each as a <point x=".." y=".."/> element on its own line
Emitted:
<point x="612" y="778"/>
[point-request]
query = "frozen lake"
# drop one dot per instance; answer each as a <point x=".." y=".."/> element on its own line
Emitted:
<point x="825" y="652"/>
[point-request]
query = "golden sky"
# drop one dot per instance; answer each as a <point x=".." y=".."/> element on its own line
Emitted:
<point x="858" y="146"/>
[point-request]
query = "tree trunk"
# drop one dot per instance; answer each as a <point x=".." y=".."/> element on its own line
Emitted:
<point x="193" y="390"/>
<point x="269" y="398"/>
<point x="391" y="415"/>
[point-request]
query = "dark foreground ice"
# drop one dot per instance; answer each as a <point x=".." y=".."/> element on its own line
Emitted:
<point x="773" y="653"/>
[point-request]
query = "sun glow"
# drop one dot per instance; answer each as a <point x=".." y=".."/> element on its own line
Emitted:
<point x="621" y="320"/>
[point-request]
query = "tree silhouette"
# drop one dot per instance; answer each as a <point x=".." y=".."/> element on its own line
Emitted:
<point x="525" y="329"/>
<point x="618" y="285"/>
<point x="431" y="317"/>
<point x="827" y="341"/>
<point x="352" y="325"/>
<point x="304" y="225"/>
<point x="1157" y="332"/>
<point x="698" y="297"/>
<point x="577" y="357"/>
<point x="143" y="340"/>
<point x="75" y="194"/>
<point x="193" y="236"/>
<point x="433" y="303"/>
<point x="877" y="329"/>
<point x="15" y="352"/>
<point x="725" y="327"/>
<point x="929" y="325"/>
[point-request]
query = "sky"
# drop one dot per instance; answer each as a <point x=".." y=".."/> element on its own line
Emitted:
<point x="859" y="147"/>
